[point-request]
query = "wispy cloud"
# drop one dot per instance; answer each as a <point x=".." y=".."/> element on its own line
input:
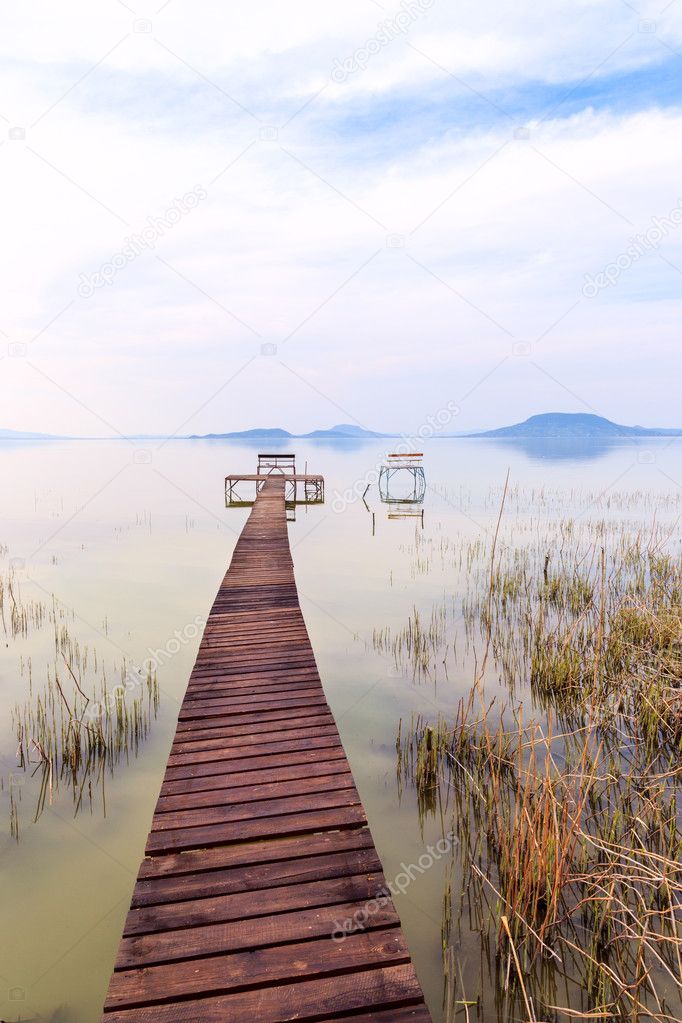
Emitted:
<point x="485" y="159"/>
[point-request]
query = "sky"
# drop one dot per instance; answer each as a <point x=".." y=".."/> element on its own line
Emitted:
<point x="220" y="216"/>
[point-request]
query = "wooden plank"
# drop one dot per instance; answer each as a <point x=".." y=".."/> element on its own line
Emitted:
<point x="246" y="733"/>
<point x="337" y="793"/>
<point x="192" y="943"/>
<point x="235" y="753"/>
<point x="238" y="772"/>
<point x="216" y="708"/>
<point x="273" y="745"/>
<point x="230" y="880"/>
<point x="247" y="703"/>
<point x="260" y="716"/>
<point x="246" y="687"/>
<point x="195" y="750"/>
<point x="261" y="759"/>
<point x="253" y="853"/>
<point x="288" y="657"/>
<point x="267" y="718"/>
<point x="259" y="849"/>
<point x="268" y="827"/>
<point x="272" y="721"/>
<point x="216" y="975"/>
<point x="307" y="1001"/>
<point x="267" y="791"/>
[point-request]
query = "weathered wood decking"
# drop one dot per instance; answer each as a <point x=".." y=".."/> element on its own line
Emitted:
<point x="259" y="846"/>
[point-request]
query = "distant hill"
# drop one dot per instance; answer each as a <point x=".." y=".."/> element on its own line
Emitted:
<point x="21" y="435"/>
<point x="342" y="432"/>
<point x="274" y="433"/>
<point x="570" y="425"/>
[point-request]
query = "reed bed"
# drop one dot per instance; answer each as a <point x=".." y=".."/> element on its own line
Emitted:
<point x="564" y="788"/>
<point x="419" y="644"/>
<point x="73" y="730"/>
<point x="18" y="617"/>
<point x="579" y="850"/>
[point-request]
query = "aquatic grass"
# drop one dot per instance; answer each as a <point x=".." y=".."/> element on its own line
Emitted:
<point x="417" y="647"/>
<point x="581" y="853"/>
<point x="59" y="741"/>
<point x="567" y="814"/>
<point x="18" y="616"/>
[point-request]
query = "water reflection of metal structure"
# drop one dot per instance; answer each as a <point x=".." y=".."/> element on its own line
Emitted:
<point x="299" y="488"/>
<point x="407" y="510"/>
<point x="402" y="479"/>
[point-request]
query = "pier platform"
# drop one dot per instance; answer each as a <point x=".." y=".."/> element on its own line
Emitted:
<point x="299" y="488"/>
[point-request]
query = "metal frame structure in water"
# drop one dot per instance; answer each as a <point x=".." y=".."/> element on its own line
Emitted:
<point x="400" y="464"/>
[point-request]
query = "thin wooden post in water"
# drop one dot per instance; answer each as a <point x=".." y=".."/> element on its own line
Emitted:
<point x="259" y="851"/>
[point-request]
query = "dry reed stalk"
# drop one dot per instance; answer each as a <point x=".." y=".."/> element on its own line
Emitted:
<point x="529" y="1009"/>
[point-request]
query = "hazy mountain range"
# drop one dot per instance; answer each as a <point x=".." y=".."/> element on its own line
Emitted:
<point x="344" y="431"/>
<point x="562" y="426"/>
<point x="570" y="425"/>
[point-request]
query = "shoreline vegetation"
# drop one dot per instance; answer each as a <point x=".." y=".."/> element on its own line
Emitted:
<point x="561" y="771"/>
<point x="59" y="743"/>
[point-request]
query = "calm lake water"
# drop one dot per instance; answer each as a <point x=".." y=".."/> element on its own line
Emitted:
<point x="131" y="541"/>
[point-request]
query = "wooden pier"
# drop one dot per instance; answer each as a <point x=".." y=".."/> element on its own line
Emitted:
<point x="259" y="850"/>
